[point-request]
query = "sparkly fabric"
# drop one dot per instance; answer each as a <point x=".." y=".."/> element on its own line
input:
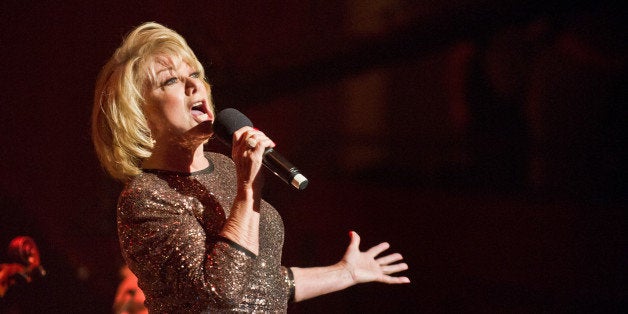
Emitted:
<point x="168" y="224"/>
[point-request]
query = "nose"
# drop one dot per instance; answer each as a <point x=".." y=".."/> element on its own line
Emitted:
<point x="192" y="85"/>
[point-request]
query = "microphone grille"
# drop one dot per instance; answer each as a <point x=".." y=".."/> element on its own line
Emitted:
<point x="227" y="122"/>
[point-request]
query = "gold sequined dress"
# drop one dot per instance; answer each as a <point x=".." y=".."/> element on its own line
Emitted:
<point x="168" y="225"/>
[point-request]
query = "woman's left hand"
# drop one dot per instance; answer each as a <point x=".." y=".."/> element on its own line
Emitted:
<point x="367" y="266"/>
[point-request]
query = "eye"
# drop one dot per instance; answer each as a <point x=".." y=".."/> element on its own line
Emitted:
<point x="170" y="81"/>
<point x="195" y="75"/>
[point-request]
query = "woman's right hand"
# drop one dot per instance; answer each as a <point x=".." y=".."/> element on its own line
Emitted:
<point x="247" y="152"/>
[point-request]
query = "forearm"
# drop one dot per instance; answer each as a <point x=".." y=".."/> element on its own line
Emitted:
<point x="242" y="225"/>
<point x="315" y="281"/>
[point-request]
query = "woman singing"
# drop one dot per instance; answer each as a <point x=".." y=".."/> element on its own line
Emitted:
<point x="192" y="224"/>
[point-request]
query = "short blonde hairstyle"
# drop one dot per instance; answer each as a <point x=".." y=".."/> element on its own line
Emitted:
<point x="120" y="131"/>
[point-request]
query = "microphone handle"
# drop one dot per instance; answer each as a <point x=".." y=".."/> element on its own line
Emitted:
<point x="286" y="171"/>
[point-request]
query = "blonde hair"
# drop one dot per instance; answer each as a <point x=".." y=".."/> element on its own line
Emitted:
<point x="120" y="131"/>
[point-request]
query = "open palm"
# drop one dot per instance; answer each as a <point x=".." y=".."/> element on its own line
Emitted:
<point x="367" y="266"/>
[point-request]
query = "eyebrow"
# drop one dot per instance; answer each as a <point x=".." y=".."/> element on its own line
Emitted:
<point x="169" y="69"/>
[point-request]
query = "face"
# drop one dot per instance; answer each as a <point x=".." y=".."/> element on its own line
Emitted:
<point x="177" y="101"/>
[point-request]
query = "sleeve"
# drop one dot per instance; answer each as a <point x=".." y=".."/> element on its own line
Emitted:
<point x="168" y="249"/>
<point x="289" y="282"/>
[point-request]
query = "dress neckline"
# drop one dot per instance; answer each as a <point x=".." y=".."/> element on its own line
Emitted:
<point x="208" y="169"/>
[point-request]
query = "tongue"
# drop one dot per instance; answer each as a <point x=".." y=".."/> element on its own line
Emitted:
<point x="199" y="116"/>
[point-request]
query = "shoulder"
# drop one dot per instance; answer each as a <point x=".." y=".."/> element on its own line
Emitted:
<point x="144" y="191"/>
<point x="142" y="185"/>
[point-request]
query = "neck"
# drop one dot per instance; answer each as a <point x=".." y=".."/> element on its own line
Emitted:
<point x="181" y="153"/>
<point x="176" y="158"/>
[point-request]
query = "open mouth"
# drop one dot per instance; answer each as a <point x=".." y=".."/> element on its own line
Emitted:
<point x="199" y="112"/>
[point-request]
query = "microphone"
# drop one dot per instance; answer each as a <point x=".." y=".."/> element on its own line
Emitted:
<point x="230" y="120"/>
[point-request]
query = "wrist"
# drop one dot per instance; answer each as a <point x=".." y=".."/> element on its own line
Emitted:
<point x="246" y="199"/>
<point x="346" y="273"/>
<point x="246" y="190"/>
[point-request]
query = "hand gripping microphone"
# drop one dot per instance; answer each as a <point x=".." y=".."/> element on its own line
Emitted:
<point x="230" y="120"/>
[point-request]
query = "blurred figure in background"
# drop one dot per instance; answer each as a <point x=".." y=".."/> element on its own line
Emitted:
<point x="129" y="297"/>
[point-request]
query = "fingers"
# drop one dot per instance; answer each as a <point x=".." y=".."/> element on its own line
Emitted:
<point x="355" y="240"/>
<point x="394" y="268"/>
<point x="369" y="267"/>
<point x="387" y="264"/>
<point x="251" y="142"/>
<point x="257" y="140"/>
<point x="394" y="280"/>
<point x="247" y="153"/>
<point x="248" y="140"/>
<point x="389" y="259"/>
<point x="378" y="249"/>
<point x="388" y="268"/>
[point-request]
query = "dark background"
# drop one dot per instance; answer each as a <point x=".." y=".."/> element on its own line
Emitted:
<point x="483" y="139"/>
